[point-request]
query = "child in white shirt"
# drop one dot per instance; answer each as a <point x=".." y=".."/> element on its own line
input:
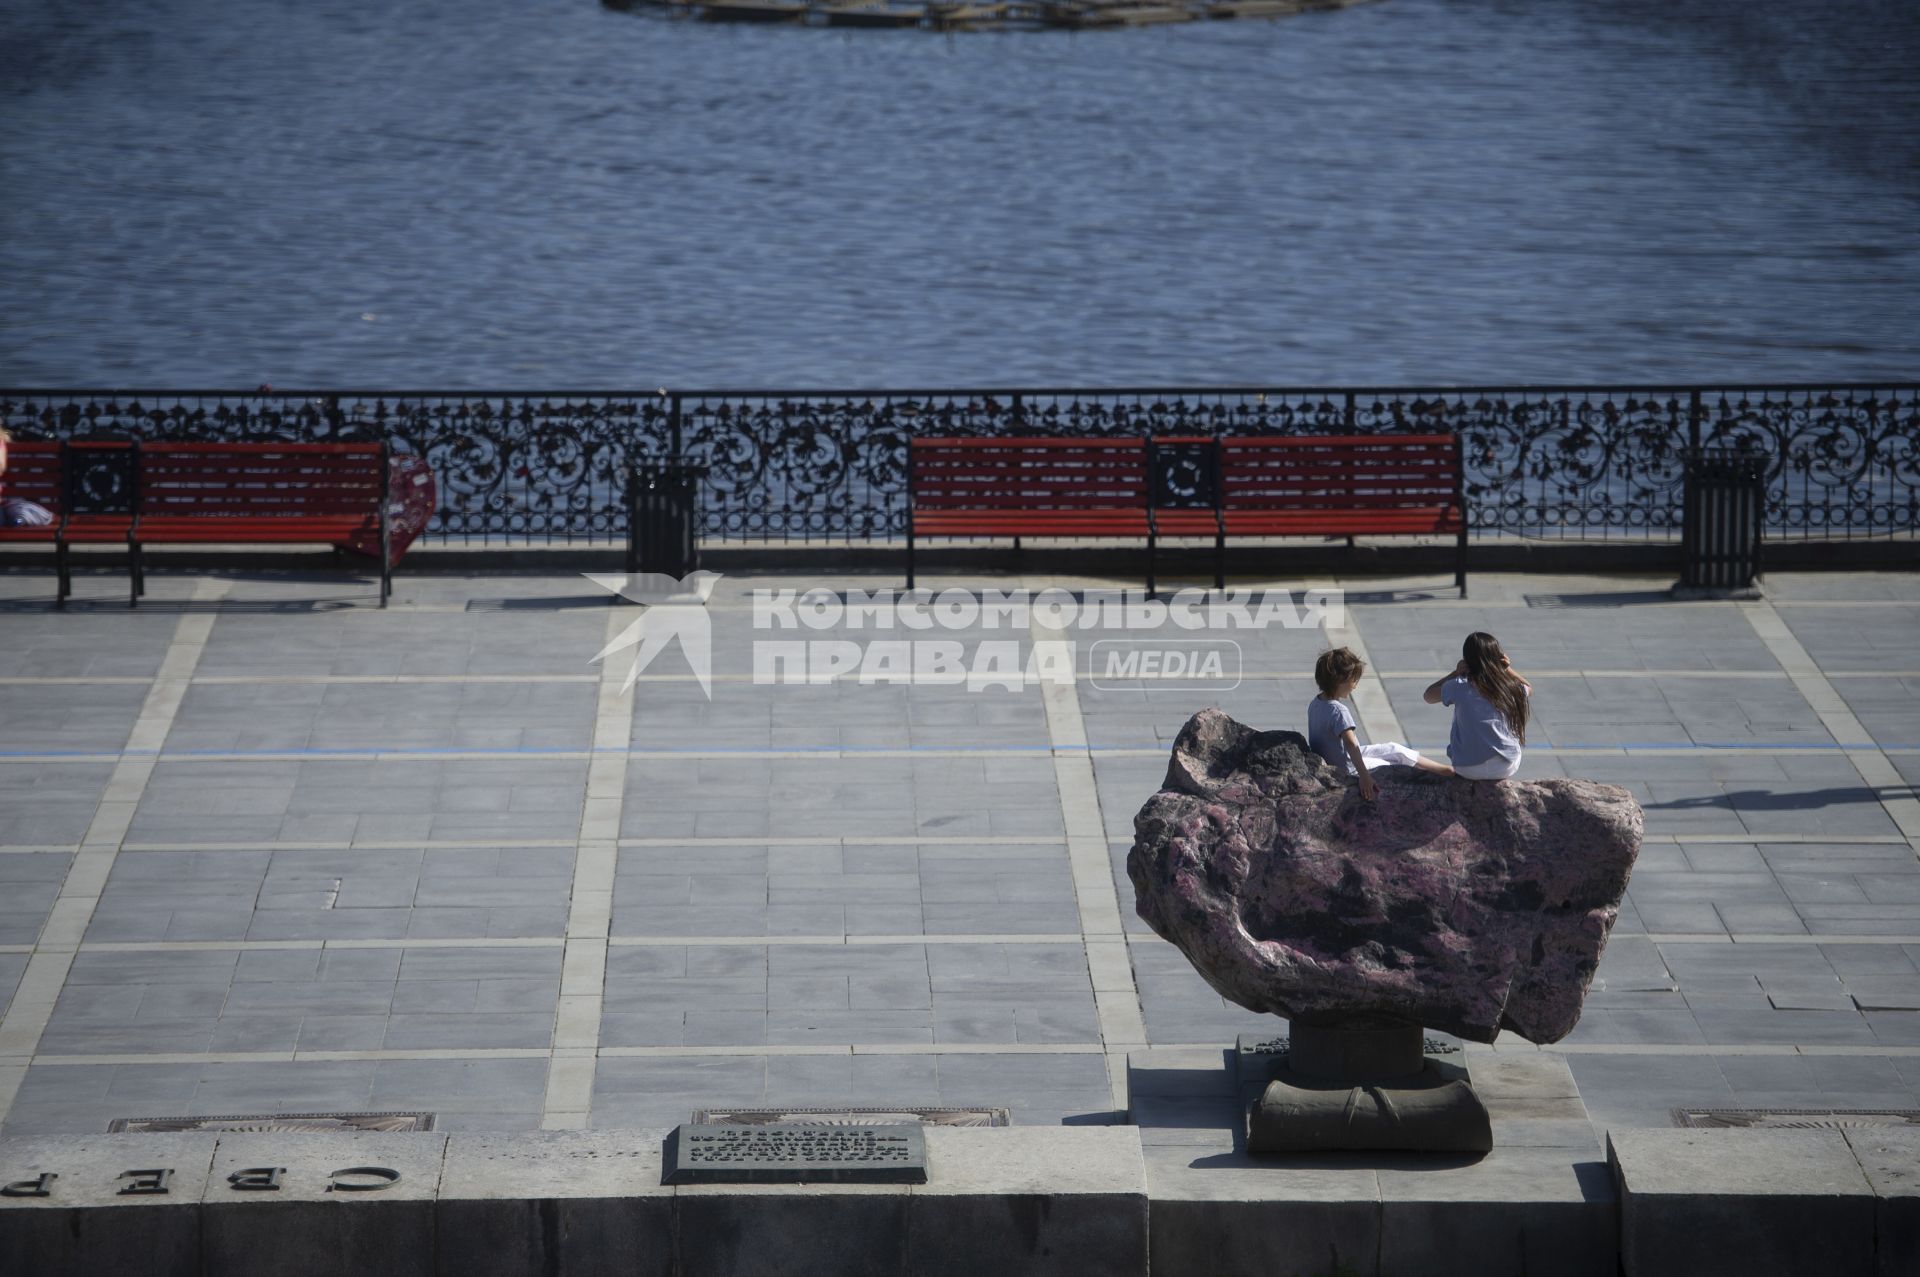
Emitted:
<point x="1489" y="703"/>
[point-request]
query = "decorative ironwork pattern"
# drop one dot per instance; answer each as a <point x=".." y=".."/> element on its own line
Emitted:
<point x="1559" y="462"/>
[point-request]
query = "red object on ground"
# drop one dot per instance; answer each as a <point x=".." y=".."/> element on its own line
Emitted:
<point x="414" y="496"/>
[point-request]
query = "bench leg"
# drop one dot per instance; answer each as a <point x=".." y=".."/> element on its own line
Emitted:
<point x="1220" y="560"/>
<point x="1150" y="548"/>
<point x="1460" y="565"/>
<point x="136" y="584"/>
<point x="909" y="558"/>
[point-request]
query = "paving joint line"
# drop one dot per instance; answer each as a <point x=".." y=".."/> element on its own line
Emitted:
<point x="1116" y="995"/>
<point x="568" y="1100"/>
<point x="31" y="1008"/>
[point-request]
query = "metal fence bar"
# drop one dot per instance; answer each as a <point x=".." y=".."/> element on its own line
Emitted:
<point x="1566" y="462"/>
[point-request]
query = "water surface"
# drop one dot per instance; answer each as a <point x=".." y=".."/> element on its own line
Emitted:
<point x="520" y="193"/>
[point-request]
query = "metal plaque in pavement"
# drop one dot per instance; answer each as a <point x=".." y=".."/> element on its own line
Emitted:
<point x="795" y="1154"/>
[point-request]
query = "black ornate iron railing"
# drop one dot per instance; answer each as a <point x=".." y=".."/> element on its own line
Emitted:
<point x="1573" y="462"/>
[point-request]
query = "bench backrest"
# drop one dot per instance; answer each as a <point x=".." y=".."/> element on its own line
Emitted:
<point x="261" y="480"/>
<point x="1028" y="474"/>
<point x="34" y="473"/>
<point x="1339" y="472"/>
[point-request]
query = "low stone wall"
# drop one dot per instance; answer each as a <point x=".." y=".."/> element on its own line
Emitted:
<point x="1040" y="1200"/>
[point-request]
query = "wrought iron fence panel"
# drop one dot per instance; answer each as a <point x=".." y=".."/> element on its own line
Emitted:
<point x="1558" y="462"/>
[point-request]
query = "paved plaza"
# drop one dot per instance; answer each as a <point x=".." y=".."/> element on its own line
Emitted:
<point x="268" y="848"/>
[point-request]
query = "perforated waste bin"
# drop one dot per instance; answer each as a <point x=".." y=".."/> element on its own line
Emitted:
<point x="663" y="509"/>
<point x="1723" y="507"/>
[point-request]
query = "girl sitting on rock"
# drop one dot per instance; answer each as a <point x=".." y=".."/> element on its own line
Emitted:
<point x="1333" y="732"/>
<point x="1489" y="705"/>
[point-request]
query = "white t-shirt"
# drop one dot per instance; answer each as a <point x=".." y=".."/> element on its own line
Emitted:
<point x="1480" y="731"/>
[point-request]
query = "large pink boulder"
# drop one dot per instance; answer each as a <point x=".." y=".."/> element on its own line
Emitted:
<point x="1465" y="906"/>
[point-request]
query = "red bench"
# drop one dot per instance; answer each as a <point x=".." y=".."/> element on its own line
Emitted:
<point x="1079" y="488"/>
<point x="1251" y="486"/>
<point x="1342" y="485"/>
<point x="253" y="493"/>
<point x="141" y="494"/>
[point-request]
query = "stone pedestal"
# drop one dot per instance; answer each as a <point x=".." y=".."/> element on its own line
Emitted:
<point x="1366" y="1089"/>
<point x="1540" y="1202"/>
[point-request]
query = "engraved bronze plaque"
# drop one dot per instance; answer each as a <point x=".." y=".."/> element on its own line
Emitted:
<point x="277" y="1122"/>
<point x="794" y="1154"/>
<point x="1795" y="1119"/>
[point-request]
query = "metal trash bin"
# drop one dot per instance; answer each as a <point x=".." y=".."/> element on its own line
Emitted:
<point x="1723" y="506"/>
<point x="663" y="517"/>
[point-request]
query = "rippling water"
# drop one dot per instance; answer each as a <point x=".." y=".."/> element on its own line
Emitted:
<point x="518" y="193"/>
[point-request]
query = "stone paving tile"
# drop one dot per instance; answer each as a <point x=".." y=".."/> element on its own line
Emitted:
<point x="1814" y="587"/>
<point x="364" y="642"/>
<point x="335" y="895"/>
<point x="854" y="890"/>
<point x="328" y="801"/>
<point x="12" y="967"/>
<point x="488" y="1094"/>
<point x="794" y="995"/>
<point x="534" y="717"/>
<point x="1889" y="708"/>
<point x="78" y="643"/>
<point x="29" y="884"/>
<point x="47" y="803"/>
<point x="1633" y="634"/>
<point x="63" y="718"/>
<point x="1146" y="716"/>
<point x="1856" y="638"/>
<point x="190" y="1001"/>
<point x="842" y="715"/>
<point x="1041" y="1089"/>
<point x="1180" y="1007"/>
<point x="1000" y="796"/>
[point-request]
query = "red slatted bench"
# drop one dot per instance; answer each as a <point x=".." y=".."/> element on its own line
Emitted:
<point x="975" y="487"/>
<point x="1342" y="485"/>
<point x="252" y="493"/>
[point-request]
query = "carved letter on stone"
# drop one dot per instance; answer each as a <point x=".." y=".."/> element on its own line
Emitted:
<point x="383" y="1177"/>
<point x="142" y="1182"/>
<point x="40" y="1186"/>
<point x="257" y="1179"/>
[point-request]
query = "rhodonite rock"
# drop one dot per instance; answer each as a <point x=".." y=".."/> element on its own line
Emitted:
<point x="1464" y="906"/>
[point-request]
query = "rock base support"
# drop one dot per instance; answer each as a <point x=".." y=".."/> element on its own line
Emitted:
<point x="1434" y="1111"/>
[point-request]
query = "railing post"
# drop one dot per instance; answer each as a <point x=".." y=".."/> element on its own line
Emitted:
<point x="673" y="425"/>
<point x="1352" y="416"/>
<point x="1695" y="414"/>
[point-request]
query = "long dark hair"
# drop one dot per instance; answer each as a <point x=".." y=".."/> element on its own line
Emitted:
<point x="1493" y="677"/>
